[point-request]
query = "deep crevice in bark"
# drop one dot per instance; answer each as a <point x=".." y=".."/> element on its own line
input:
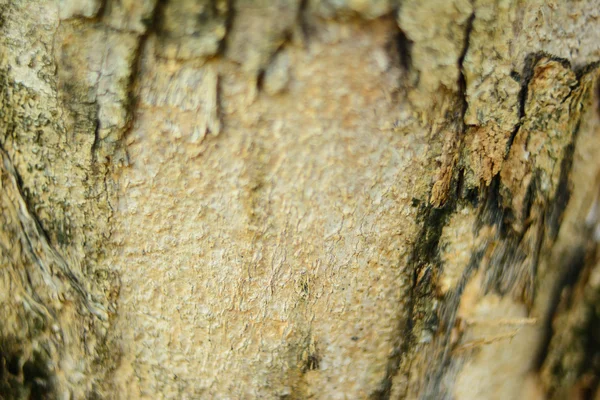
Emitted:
<point x="462" y="80"/>
<point x="23" y="378"/>
<point x="404" y="48"/>
<point x="572" y="264"/>
<point x="231" y="11"/>
<point x="302" y="20"/>
<point x="425" y="263"/>
<point x="525" y="78"/>
<point x="152" y="26"/>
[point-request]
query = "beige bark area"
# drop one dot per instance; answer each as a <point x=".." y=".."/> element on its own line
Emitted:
<point x="308" y="199"/>
<point x="254" y="241"/>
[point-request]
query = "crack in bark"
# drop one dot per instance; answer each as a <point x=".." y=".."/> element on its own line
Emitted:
<point x="525" y="79"/>
<point x="462" y="80"/>
<point x="425" y="262"/>
<point x="404" y="48"/>
<point x="573" y="264"/>
<point x="23" y="376"/>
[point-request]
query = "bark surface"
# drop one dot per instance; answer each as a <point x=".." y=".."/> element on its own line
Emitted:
<point x="299" y="199"/>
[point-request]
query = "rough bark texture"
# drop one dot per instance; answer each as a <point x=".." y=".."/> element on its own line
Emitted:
<point x="299" y="199"/>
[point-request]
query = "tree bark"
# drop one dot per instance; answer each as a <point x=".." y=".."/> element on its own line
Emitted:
<point x="299" y="199"/>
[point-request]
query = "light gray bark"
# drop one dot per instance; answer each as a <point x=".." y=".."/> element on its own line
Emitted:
<point x="299" y="199"/>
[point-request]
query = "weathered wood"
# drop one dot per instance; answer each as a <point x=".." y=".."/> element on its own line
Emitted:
<point x="298" y="199"/>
